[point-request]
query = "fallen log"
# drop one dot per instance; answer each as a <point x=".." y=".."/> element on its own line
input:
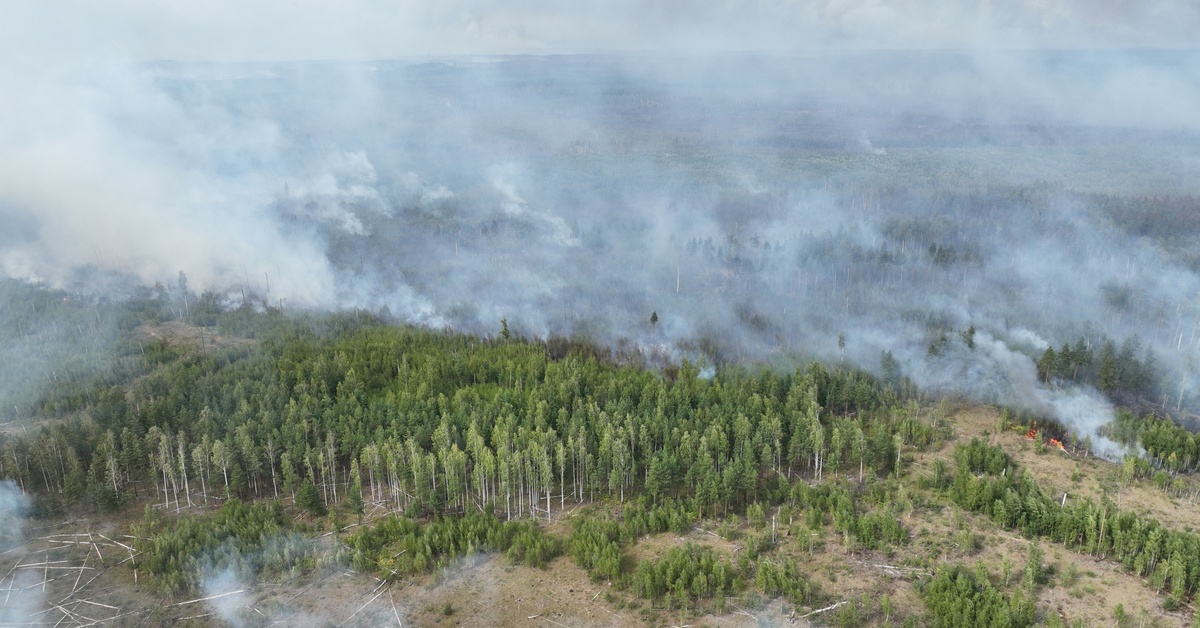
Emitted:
<point x="211" y="597"/>
<point x="822" y="610"/>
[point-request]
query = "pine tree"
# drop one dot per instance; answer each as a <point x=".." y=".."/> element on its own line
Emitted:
<point x="1048" y="365"/>
<point x="308" y="498"/>
<point x="1107" y="377"/>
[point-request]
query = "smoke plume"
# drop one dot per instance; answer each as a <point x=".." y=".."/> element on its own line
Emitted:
<point x="764" y="197"/>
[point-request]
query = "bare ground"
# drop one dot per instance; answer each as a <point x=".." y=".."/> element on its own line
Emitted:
<point x="188" y="337"/>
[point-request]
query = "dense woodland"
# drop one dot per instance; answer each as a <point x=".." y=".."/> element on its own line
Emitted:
<point x="466" y="443"/>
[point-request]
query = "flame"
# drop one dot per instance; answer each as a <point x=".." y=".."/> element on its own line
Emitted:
<point x="1031" y="434"/>
<point x="1057" y="443"/>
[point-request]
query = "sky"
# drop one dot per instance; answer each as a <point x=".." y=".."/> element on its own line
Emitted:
<point x="45" y="33"/>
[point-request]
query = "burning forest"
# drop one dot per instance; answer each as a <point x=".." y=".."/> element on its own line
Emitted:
<point x="677" y="301"/>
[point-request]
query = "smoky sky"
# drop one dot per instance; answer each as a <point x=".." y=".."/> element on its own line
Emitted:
<point x="765" y="176"/>
<point x="274" y="30"/>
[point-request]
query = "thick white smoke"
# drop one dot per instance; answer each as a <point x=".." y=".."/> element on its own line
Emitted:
<point x="735" y="195"/>
<point x="995" y="372"/>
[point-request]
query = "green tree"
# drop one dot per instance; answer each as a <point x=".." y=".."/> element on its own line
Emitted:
<point x="1048" y="365"/>
<point x="1108" y="378"/>
<point x="1033" y="568"/>
<point x="889" y="369"/>
<point x="308" y="498"/>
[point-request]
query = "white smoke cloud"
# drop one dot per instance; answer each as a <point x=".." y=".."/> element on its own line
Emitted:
<point x="997" y="373"/>
<point x="345" y="187"/>
<point x="116" y="174"/>
<point x="24" y="600"/>
<point x="514" y="205"/>
<point x="14" y="504"/>
<point x="1084" y="411"/>
<point x="118" y="170"/>
<point x="436" y="196"/>
<point x="228" y="597"/>
<point x="1031" y="339"/>
<point x="231" y="581"/>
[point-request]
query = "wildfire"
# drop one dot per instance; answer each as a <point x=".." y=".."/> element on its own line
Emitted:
<point x="1054" y="442"/>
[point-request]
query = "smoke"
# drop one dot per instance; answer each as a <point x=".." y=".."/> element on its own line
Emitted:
<point x="227" y="597"/>
<point x="24" y="599"/>
<point x="226" y="31"/>
<point x="14" y="503"/>
<point x="250" y="587"/>
<point x="993" y="371"/>
<point x="146" y="188"/>
<point x="1084" y="411"/>
<point x="768" y="202"/>
<point x="52" y="337"/>
<point x="335" y="196"/>
<point x="553" y="227"/>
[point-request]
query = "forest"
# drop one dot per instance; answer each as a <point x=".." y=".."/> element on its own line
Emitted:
<point x="835" y="339"/>
<point x="423" y="447"/>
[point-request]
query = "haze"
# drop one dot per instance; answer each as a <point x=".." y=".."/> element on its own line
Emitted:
<point x="765" y="176"/>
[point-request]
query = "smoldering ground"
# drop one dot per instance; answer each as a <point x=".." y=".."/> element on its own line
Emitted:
<point x="281" y="580"/>
<point x="60" y="574"/>
<point x="472" y="587"/>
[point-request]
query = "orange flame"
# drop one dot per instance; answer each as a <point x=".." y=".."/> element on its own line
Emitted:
<point x="1057" y="443"/>
<point x="1031" y="434"/>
